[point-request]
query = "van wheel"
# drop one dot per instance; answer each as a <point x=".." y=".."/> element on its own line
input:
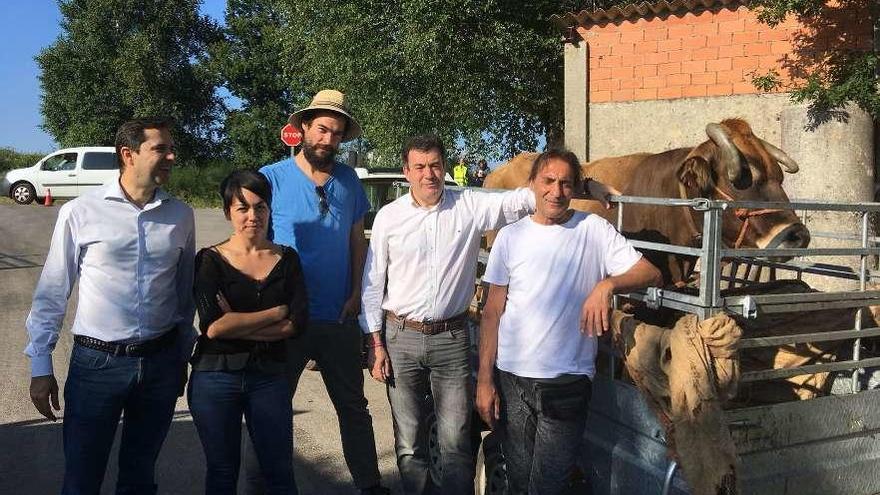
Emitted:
<point x="491" y="470"/>
<point x="22" y="193"/>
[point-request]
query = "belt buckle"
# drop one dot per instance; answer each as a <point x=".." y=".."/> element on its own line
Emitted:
<point x="130" y="349"/>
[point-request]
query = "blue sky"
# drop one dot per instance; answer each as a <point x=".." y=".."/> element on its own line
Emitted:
<point x="26" y="27"/>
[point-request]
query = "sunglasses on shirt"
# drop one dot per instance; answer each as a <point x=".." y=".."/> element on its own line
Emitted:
<point x="323" y="205"/>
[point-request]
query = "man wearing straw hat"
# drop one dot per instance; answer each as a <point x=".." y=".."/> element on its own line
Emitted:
<point x="318" y="209"/>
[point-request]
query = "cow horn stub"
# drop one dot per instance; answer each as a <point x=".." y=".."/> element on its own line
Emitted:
<point x="730" y="155"/>
<point x="782" y="157"/>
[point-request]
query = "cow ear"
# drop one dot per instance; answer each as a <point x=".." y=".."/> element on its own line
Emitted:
<point x="695" y="173"/>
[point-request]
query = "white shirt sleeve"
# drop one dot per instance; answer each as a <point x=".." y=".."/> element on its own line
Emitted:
<point x="185" y="275"/>
<point x="497" y="271"/>
<point x="493" y="210"/>
<point x="375" y="273"/>
<point x="50" y="297"/>
<point x="620" y="255"/>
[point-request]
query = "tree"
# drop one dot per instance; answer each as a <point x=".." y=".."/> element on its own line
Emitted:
<point x="487" y="74"/>
<point x="116" y="59"/>
<point x="250" y="63"/>
<point x="833" y="64"/>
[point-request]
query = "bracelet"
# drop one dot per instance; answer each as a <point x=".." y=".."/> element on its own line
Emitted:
<point x="375" y="344"/>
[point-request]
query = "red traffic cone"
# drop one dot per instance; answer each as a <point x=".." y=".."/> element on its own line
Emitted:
<point x="47" y="201"/>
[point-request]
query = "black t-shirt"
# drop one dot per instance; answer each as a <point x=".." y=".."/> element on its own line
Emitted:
<point x="284" y="285"/>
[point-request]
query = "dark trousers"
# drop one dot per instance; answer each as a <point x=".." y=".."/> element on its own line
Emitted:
<point x="544" y="422"/>
<point x="100" y="389"/>
<point x="439" y="365"/>
<point x="337" y="350"/>
<point x="218" y="400"/>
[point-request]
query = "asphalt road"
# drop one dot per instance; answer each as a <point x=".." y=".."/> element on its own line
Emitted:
<point x="31" y="458"/>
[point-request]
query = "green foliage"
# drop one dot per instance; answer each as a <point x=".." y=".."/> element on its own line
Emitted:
<point x="486" y="72"/>
<point x="845" y="75"/>
<point x="12" y="159"/>
<point x="116" y="59"/>
<point x="248" y="61"/>
<point x="199" y="185"/>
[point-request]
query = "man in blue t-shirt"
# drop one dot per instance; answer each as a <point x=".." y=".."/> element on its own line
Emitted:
<point x="318" y="209"/>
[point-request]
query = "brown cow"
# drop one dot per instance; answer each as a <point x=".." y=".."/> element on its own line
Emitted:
<point x="732" y="164"/>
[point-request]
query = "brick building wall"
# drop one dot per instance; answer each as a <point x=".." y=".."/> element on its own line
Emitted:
<point x="710" y="53"/>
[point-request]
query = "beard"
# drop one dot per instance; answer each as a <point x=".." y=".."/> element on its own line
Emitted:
<point x="321" y="157"/>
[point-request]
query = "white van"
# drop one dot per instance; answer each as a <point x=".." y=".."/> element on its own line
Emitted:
<point x="67" y="173"/>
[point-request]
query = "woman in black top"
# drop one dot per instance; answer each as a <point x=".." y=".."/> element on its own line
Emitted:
<point x="251" y="297"/>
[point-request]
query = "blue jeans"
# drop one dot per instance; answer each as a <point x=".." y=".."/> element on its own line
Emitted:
<point x="439" y="365"/>
<point x="544" y="422"/>
<point x="217" y="400"/>
<point x="101" y="387"/>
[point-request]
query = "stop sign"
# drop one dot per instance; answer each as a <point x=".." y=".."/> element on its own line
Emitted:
<point x="291" y="136"/>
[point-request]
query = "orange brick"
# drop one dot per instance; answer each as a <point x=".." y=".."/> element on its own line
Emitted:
<point x="780" y="47"/>
<point x="730" y="76"/>
<point x="693" y="91"/>
<point x="727" y="14"/>
<point x="669" y="92"/>
<point x="645" y="94"/>
<point x="721" y="39"/>
<point x="733" y="50"/>
<point x="694" y="42"/>
<point x="611" y="61"/>
<point x="701" y="18"/>
<point x="718" y="65"/>
<point x="757" y="49"/>
<point x="680" y="55"/>
<point x="656" y="34"/>
<point x="597" y="50"/>
<point x="599" y="74"/>
<point x="622" y="95"/>
<point x="705" y="54"/>
<point x="646" y="47"/>
<point x="607" y="37"/>
<point x="645" y="70"/>
<point x="703" y="78"/>
<point x="670" y="68"/>
<point x="745" y="62"/>
<point x="706" y="29"/>
<point x="634" y="83"/>
<point x="677" y="20"/>
<point x="600" y="96"/>
<point x="632" y="60"/>
<point x="734" y="26"/>
<point x="719" y="89"/>
<point x="632" y="36"/>
<point x="621" y="73"/>
<point x="744" y="38"/>
<point x="656" y="58"/>
<point x="680" y="31"/>
<point x="744" y="88"/>
<point x="652" y="82"/>
<point x="678" y="80"/>
<point x="769" y="62"/>
<point x="622" y="49"/>
<point x="669" y="45"/>
<point x="693" y="66"/>
<point x="604" y="85"/>
<point x="774" y="34"/>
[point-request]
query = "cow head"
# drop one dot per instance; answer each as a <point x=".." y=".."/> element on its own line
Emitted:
<point x="734" y="164"/>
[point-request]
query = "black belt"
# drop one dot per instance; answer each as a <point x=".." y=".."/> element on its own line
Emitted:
<point x="131" y="349"/>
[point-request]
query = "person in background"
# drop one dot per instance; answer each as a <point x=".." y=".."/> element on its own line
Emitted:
<point x="251" y="299"/>
<point x="460" y="173"/>
<point x="480" y="173"/>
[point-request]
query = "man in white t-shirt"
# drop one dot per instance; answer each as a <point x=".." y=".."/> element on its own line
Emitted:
<point x="551" y="276"/>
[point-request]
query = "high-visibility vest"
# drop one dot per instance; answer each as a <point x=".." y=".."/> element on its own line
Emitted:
<point x="459" y="173"/>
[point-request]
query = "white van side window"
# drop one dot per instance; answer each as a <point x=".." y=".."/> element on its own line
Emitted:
<point x="64" y="161"/>
<point x="98" y="160"/>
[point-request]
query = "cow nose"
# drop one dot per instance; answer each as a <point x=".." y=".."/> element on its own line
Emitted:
<point x="798" y="236"/>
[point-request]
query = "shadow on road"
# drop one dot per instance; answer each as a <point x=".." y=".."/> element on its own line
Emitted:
<point x="32" y="461"/>
<point x="13" y="261"/>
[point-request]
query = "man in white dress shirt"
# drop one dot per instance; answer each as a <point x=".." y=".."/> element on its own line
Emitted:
<point x="418" y="284"/>
<point x="132" y="247"/>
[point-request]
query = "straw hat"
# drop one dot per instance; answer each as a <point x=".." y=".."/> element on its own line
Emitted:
<point x="334" y="101"/>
